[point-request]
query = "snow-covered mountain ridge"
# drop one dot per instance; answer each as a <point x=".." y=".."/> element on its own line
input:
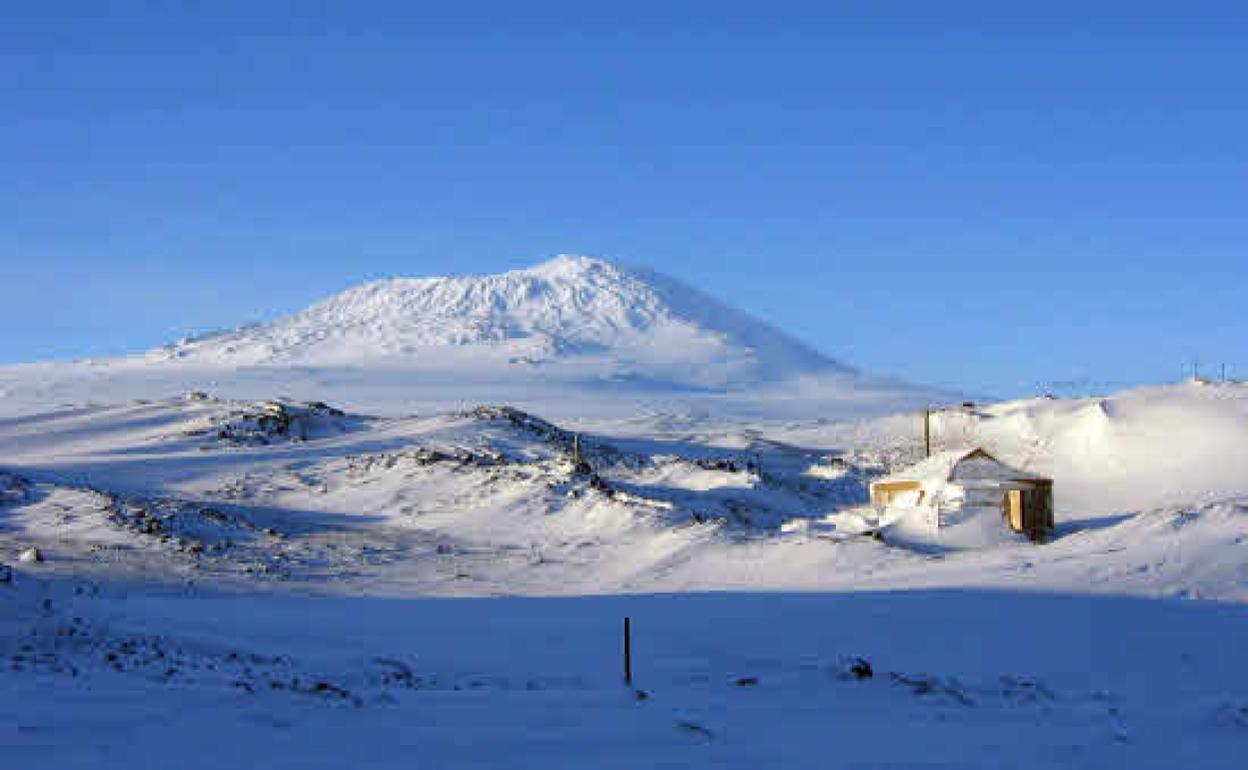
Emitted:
<point x="565" y="308"/>
<point x="572" y="338"/>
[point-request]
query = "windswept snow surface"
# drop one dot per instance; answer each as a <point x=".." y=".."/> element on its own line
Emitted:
<point x="280" y="583"/>
<point x="959" y="680"/>
<point x="488" y="500"/>
<point x="571" y="337"/>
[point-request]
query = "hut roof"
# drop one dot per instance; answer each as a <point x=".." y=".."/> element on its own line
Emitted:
<point x="950" y="465"/>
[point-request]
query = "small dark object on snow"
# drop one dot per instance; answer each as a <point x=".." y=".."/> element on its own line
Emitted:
<point x="321" y="406"/>
<point x="694" y="728"/>
<point x="927" y="685"/>
<point x="746" y="681"/>
<point x="861" y="669"/>
<point x="641" y="695"/>
<point x="726" y="464"/>
<point x="877" y="535"/>
<point x="597" y="482"/>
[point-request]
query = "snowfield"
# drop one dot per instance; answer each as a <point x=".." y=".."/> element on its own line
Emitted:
<point x="403" y="529"/>
<point x="965" y="679"/>
<point x="283" y="583"/>
<point x="490" y="501"/>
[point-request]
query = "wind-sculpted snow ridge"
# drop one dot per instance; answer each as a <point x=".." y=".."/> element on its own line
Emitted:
<point x="1149" y="495"/>
<point x="459" y="502"/>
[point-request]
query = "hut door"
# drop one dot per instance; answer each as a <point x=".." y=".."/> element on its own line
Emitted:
<point x="1014" y="508"/>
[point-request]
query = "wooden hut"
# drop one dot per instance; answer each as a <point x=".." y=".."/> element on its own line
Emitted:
<point x="953" y="485"/>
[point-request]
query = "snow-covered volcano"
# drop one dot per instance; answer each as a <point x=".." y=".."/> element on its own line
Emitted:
<point x="573" y="338"/>
<point x="583" y="316"/>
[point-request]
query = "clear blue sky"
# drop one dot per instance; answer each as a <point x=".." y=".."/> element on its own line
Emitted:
<point x="965" y="194"/>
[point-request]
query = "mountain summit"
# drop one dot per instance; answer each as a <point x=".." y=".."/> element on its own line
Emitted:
<point x="571" y="338"/>
<point x="573" y="317"/>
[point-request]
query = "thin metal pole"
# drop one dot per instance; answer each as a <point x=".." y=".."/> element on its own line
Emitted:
<point x="628" y="653"/>
<point x="927" y="432"/>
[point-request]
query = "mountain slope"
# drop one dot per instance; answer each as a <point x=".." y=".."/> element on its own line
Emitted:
<point x="573" y="337"/>
<point x="577" y="311"/>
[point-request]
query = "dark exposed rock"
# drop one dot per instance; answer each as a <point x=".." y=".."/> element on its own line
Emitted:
<point x="693" y="728"/>
<point x="860" y="668"/>
<point x="13" y="489"/>
<point x="930" y="685"/>
<point x="726" y="464"/>
<point x="265" y="422"/>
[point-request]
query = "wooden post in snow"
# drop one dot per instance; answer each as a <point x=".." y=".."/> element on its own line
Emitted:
<point x="927" y="432"/>
<point x="628" y="654"/>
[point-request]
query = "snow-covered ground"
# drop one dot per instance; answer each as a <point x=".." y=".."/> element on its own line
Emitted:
<point x="959" y="679"/>
<point x="405" y="576"/>
<point x="281" y="583"/>
<point x="489" y="500"/>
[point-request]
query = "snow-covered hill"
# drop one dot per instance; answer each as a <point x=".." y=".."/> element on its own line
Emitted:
<point x="634" y="324"/>
<point x="163" y="552"/>
<point x="494" y="496"/>
<point x="571" y="337"/>
<point x="180" y="540"/>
